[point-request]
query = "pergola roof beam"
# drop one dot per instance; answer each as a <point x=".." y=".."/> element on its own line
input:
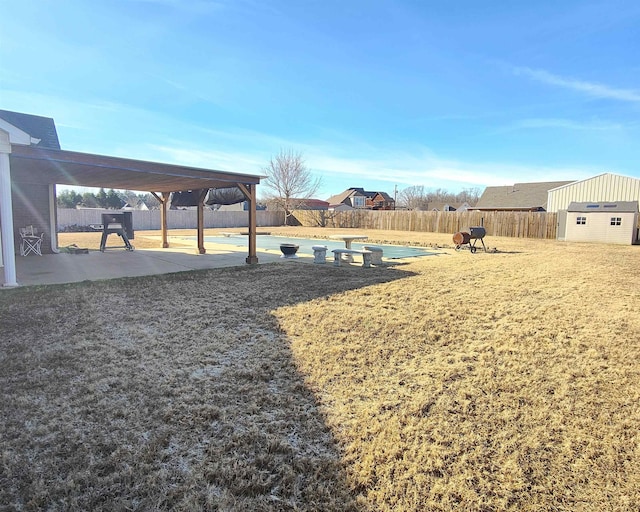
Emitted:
<point x="88" y="170"/>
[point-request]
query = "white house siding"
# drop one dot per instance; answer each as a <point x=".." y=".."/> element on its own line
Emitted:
<point x="598" y="228"/>
<point x="604" y="187"/>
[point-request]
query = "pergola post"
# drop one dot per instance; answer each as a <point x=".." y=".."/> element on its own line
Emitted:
<point x="164" y="201"/>
<point x="6" y="213"/>
<point x="249" y="190"/>
<point x="201" y="197"/>
<point x="163" y="219"/>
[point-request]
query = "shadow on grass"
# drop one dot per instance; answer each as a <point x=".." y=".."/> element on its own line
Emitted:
<point x="171" y="392"/>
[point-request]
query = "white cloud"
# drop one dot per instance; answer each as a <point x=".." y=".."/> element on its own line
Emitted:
<point x="595" y="90"/>
<point x="494" y="174"/>
<point x="194" y="6"/>
<point x="568" y="124"/>
<point x="357" y="165"/>
<point x="434" y="172"/>
<point x="342" y="160"/>
<point x="228" y="161"/>
<point x="339" y="171"/>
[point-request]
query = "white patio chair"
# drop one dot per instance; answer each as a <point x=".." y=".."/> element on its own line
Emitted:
<point x="30" y="241"/>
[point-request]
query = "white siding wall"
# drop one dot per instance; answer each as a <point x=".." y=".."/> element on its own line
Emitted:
<point x="606" y="187"/>
<point x="176" y="219"/>
<point x="598" y="228"/>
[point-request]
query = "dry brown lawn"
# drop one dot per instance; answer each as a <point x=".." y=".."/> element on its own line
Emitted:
<point x="501" y="381"/>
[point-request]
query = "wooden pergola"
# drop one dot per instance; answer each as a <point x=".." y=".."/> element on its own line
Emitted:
<point x="51" y="166"/>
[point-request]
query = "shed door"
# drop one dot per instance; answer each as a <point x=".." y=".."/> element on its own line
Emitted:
<point x="562" y="224"/>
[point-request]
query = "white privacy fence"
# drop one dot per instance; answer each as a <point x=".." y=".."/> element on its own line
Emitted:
<point x="176" y="219"/>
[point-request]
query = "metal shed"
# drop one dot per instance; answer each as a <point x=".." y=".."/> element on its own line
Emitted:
<point x="606" y="222"/>
<point x="604" y="187"/>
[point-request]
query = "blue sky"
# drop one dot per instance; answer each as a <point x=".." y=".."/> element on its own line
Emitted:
<point x="376" y="94"/>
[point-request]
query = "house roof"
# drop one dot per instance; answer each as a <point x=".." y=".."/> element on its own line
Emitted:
<point x="615" y="206"/>
<point x="368" y="193"/>
<point x="440" y="206"/>
<point x="373" y="193"/>
<point x="311" y="202"/>
<point x="339" y="198"/>
<point x="36" y="165"/>
<point x="384" y="195"/>
<point x="43" y="128"/>
<point x="518" y="196"/>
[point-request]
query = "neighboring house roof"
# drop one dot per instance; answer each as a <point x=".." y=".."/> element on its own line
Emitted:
<point x="312" y="204"/>
<point x="342" y="197"/>
<point x="238" y="207"/>
<point x="371" y="194"/>
<point x="384" y="195"/>
<point x="357" y="191"/>
<point x="619" y="206"/>
<point x="340" y="207"/>
<point x="38" y="127"/>
<point x="298" y="203"/>
<point x="446" y="206"/>
<point x="139" y="205"/>
<point x="518" y="196"/>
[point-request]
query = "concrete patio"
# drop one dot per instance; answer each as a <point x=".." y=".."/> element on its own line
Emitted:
<point x="114" y="263"/>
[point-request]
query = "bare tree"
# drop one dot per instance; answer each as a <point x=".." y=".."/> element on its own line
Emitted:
<point x="289" y="181"/>
<point x="470" y="195"/>
<point x="416" y="197"/>
<point x="413" y="197"/>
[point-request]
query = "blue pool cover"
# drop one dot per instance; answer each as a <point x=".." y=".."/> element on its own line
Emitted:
<point x="269" y="242"/>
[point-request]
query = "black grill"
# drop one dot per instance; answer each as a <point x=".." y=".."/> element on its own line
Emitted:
<point x="465" y="237"/>
<point x="120" y="224"/>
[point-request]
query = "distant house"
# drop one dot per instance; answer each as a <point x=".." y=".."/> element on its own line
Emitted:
<point x="359" y="198"/>
<point x="139" y="205"/>
<point x="447" y="207"/>
<point x="353" y="197"/>
<point x="341" y="207"/>
<point x="380" y="201"/>
<point x="239" y="207"/>
<point x="531" y="197"/>
<point x="604" y="222"/>
<point x="310" y="204"/>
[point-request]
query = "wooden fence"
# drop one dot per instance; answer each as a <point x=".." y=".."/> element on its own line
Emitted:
<point x="512" y="224"/>
<point x="176" y="219"/>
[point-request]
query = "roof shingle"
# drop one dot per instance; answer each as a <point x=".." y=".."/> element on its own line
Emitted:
<point x="43" y="128"/>
<point x="519" y="195"/>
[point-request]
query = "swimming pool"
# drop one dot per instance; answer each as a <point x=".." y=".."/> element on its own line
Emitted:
<point x="268" y="242"/>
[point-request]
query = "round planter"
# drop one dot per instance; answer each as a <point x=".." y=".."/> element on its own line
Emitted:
<point x="289" y="250"/>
